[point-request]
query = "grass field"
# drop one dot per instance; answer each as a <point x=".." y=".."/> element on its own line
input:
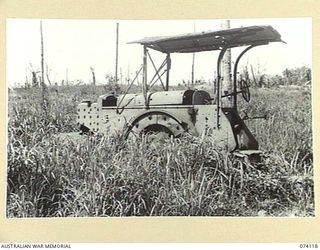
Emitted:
<point x="51" y="175"/>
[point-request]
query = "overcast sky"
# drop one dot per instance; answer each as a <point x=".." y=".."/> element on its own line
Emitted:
<point x="77" y="45"/>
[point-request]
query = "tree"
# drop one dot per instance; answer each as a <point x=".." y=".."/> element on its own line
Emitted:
<point x="47" y="74"/>
<point x="45" y="98"/>
<point x="93" y="76"/>
<point x="297" y="76"/>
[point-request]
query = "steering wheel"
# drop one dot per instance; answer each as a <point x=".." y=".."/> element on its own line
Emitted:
<point x="244" y="87"/>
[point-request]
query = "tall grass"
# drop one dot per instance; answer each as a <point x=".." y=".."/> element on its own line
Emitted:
<point x="52" y="175"/>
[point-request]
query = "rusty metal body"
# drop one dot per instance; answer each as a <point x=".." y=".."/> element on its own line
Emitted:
<point x="176" y="112"/>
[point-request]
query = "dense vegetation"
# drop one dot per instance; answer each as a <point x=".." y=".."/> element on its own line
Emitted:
<point x="50" y="173"/>
<point x="300" y="76"/>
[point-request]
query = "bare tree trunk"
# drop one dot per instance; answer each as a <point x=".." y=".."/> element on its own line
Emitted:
<point x="42" y="55"/>
<point x="253" y="76"/>
<point x="47" y="74"/>
<point x="27" y="84"/>
<point x="34" y="79"/>
<point x="120" y="75"/>
<point x="43" y="86"/>
<point x="67" y="81"/>
<point x="226" y="86"/>
<point x="117" y="47"/>
<point x="93" y="76"/>
<point x="193" y="57"/>
<point x="128" y="75"/>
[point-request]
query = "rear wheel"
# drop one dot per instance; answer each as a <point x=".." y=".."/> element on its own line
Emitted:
<point x="158" y="123"/>
<point x="157" y="132"/>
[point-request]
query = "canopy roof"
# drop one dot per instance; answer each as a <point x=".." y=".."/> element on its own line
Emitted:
<point x="212" y="40"/>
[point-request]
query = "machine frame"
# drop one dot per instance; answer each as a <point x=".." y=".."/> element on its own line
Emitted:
<point x="175" y="112"/>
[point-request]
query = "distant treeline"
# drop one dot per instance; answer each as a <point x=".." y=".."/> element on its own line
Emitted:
<point x="290" y="77"/>
<point x="300" y="76"/>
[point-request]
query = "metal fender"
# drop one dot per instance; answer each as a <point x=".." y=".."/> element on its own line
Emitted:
<point x="154" y="120"/>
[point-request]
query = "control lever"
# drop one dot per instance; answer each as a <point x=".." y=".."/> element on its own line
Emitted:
<point x="246" y="117"/>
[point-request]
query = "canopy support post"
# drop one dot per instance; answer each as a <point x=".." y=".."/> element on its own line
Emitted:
<point x="145" y="80"/>
<point x="168" y="70"/>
